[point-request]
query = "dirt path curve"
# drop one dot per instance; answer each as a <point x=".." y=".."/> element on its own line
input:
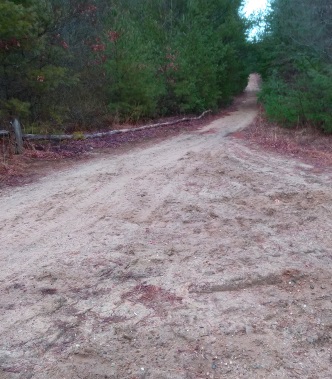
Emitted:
<point x="196" y="257"/>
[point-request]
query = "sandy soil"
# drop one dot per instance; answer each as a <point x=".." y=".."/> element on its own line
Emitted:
<point x="195" y="257"/>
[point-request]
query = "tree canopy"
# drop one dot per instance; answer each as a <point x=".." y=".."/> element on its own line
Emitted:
<point x="295" y="59"/>
<point x="81" y="63"/>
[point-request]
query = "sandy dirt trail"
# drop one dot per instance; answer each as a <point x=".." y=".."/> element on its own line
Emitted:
<point x="194" y="257"/>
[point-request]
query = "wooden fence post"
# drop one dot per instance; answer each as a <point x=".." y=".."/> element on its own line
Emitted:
<point x="18" y="136"/>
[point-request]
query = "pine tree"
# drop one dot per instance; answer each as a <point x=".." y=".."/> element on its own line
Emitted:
<point x="296" y="62"/>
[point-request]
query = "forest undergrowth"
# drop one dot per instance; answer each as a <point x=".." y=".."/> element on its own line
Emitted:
<point x="306" y="143"/>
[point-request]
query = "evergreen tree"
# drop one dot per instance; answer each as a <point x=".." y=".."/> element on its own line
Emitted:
<point x="296" y="63"/>
<point x="75" y="62"/>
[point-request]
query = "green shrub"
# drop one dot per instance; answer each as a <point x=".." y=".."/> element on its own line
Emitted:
<point x="305" y="99"/>
<point x="15" y="107"/>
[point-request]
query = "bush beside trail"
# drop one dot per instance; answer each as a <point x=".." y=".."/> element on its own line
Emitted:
<point x="294" y="56"/>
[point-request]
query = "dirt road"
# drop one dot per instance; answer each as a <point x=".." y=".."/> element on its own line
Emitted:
<point x="195" y="257"/>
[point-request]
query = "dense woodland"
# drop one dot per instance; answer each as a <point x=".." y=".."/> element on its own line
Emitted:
<point x="73" y="65"/>
<point x="294" y="57"/>
<point x="87" y="63"/>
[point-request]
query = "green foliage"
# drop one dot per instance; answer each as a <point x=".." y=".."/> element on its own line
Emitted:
<point x="15" y="107"/>
<point x="295" y="60"/>
<point x="29" y="70"/>
<point x="16" y="20"/>
<point x="280" y="103"/>
<point x="133" y="84"/>
<point x="176" y="57"/>
<point x="78" y="62"/>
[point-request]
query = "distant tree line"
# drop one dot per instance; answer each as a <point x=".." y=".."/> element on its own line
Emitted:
<point x="294" y="57"/>
<point x="79" y="64"/>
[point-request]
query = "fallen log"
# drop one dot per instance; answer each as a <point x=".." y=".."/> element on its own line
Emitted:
<point x="61" y="137"/>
